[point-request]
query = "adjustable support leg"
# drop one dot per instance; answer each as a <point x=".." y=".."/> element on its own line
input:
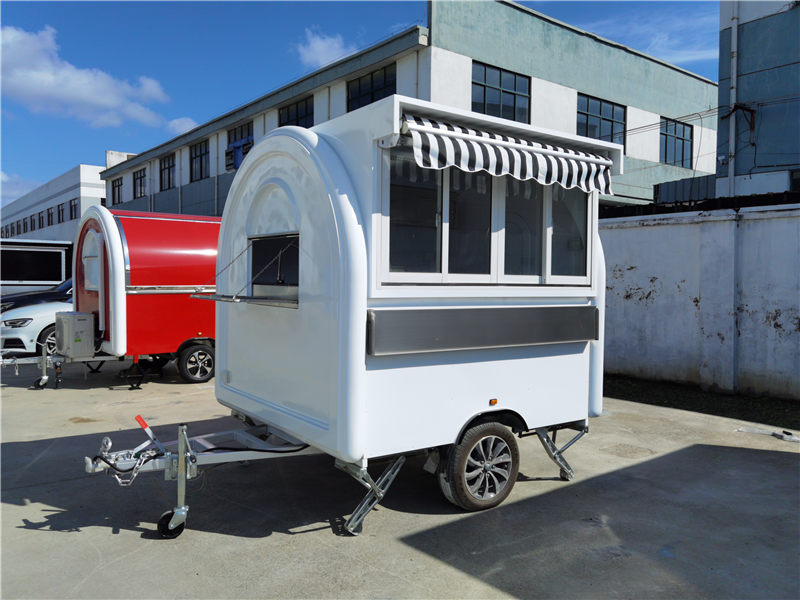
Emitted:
<point x="556" y="455"/>
<point x="377" y="490"/>
<point x="97" y="368"/>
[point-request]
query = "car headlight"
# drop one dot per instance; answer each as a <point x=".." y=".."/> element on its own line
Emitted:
<point x="17" y="322"/>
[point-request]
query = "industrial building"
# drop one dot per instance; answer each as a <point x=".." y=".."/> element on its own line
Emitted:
<point x="545" y="73"/>
<point x="52" y="211"/>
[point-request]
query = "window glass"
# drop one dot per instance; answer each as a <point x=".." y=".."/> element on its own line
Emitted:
<point x="500" y="93"/>
<point x="569" y="231"/>
<point x="523" y="251"/>
<point x="470" y="222"/>
<point x="415" y="216"/>
<point x="275" y="266"/>
<point x="91" y="262"/>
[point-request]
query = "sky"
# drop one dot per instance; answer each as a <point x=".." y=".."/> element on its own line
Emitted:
<point x="80" y="78"/>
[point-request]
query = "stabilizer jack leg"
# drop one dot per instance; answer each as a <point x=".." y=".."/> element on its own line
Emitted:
<point x="377" y="490"/>
<point x="556" y="455"/>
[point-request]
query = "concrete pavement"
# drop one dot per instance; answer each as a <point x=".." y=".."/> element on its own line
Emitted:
<point x="665" y="504"/>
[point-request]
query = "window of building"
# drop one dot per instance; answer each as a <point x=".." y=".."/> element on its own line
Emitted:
<point x="601" y="119"/>
<point x="139" y="178"/>
<point x="32" y="221"/>
<point x="371" y="87"/>
<point x="676" y="143"/>
<point x="50" y="216"/>
<point x="275" y="267"/>
<point x="167" y="172"/>
<point x="24" y="225"/>
<point x="116" y="191"/>
<point x="453" y="227"/>
<point x="41" y="219"/>
<point x="198" y="161"/>
<point x="240" y="140"/>
<point x="500" y="93"/>
<point x="13" y="230"/>
<point x="300" y="113"/>
<point x="60" y="212"/>
<point x="73" y="208"/>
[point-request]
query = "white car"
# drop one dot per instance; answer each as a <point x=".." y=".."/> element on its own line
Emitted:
<point x="26" y="328"/>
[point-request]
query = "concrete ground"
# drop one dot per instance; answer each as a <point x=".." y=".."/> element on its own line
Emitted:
<point x="665" y="504"/>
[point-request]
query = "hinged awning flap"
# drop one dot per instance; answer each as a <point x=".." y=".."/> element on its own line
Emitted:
<point x="438" y="145"/>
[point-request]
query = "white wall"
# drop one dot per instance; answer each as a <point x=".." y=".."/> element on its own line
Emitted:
<point x="450" y="78"/>
<point x="706" y="298"/>
<point x="553" y="106"/>
<point x="338" y="105"/>
<point x="643" y="129"/>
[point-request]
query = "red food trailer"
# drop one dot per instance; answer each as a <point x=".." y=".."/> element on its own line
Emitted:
<point x="134" y="274"/>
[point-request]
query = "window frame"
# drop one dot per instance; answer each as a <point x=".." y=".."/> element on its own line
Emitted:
<point x="486" y="85"/>
<point x="50" y="216"/>
<point x="32" y="222"/>
<point x="60" y="213"/>
<point x="166" y="172"/>
<point x="290" y="300"/>
<point x="307" y="103"/>
<point x="41" y="219"/>
<point x="497" y="276"/>
<point x="199" y="154"/>
<point x="374" y="94"/>
<point x="599" y="115"/>
<point x="116" y="191"/>
<point x="665" y="138"/>
<point x="240" y="141"/>
<point x="74" y="213"/>
<point x="140" y="183"/>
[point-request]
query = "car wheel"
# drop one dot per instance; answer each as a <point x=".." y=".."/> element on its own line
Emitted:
<point x="196" y="363"/>
<point x="47" y="338"/>
<point x="480" y="471"/>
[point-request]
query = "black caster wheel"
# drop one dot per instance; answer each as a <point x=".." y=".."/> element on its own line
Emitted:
<point x="38" y="385"/>
<point x="163" y="526"/>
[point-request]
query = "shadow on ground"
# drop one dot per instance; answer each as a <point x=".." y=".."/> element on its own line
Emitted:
<point x="706" y="521"/>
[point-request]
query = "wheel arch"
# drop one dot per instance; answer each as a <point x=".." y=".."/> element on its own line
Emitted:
<point x="192" y="341"/>
<point x="506" y="417"/>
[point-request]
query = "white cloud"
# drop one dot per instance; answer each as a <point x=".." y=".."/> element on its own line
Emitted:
<point x="320" y="49"/>
<point x="13" y="186"/>
<point x="181" y="125"/>
<point x="37" y="77"/>
<point x="659" y="33"/>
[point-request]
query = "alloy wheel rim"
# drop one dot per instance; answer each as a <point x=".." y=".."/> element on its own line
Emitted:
<point x="199" y="364"/>
<point x="488" y="467"/>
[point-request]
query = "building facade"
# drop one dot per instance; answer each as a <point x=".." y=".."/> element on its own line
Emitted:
<point x="53" y="210"/>
<point x="759" y="98"/>
<point x="545" y="73"/>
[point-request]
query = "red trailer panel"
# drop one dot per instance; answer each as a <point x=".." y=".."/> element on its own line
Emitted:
<point x="142" y="268"/>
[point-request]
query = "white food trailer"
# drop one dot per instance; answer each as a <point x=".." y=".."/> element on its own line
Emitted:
<point x="406" y="278"/>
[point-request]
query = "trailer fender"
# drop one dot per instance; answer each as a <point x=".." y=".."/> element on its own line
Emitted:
<point x="509" y="418"/>
<point x="193" y="341"/>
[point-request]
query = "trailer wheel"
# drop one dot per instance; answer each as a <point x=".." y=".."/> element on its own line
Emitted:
<point x="196" y="363"/>
<point x="481" y="469"/>
<point x="47" y="338"/>
<point x="163" y="526"/>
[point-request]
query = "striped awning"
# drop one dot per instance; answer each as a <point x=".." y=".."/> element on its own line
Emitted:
<point x="438" y="145"/>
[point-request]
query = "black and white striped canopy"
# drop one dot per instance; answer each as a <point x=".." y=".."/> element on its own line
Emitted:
<point x="438" y="145"/>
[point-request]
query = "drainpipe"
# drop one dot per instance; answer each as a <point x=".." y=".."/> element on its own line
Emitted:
<point x="732" y="100"/>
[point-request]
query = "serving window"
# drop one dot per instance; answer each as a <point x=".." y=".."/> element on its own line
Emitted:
<point x="451" y="226"/>
<point x="275" y="267"/>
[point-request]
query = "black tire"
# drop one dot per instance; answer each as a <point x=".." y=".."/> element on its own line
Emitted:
<point x="47" y="337"/>
<point x="163" y="526"/>
<point x="481" y="469"/>
<point x="196" y="363"/>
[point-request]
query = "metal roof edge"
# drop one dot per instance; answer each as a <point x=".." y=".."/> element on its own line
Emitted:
<point x="603" y="40"/>
<point x="416" y="36"/>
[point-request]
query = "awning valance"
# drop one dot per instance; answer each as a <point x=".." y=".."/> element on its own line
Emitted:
<point x="438" y="145"/>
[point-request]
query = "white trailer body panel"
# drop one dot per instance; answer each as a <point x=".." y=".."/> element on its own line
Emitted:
<point x="307" y="361"/>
